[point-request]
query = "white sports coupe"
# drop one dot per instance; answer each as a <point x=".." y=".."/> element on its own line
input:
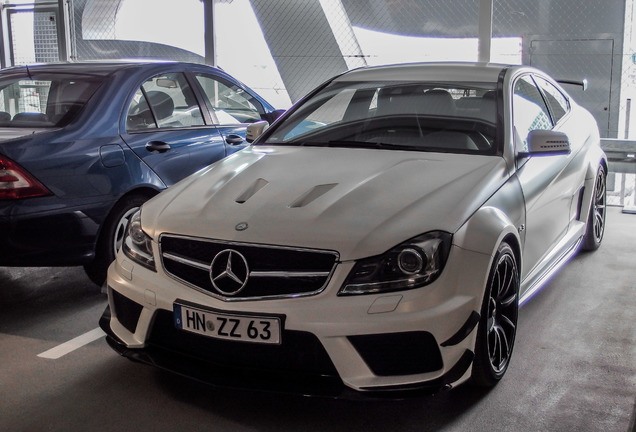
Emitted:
<point x="376" y="239"/>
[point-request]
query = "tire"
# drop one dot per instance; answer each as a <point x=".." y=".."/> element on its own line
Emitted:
<point x="112" y="236"/>
<point x="595" y="227"/>
<point x="498" y="323"/>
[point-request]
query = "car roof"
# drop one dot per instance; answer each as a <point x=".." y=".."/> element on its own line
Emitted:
<point x="101" y="68"/>
<point x="439" y="72"/>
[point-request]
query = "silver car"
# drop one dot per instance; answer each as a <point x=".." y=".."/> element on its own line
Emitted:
<point x="379" y="237"/>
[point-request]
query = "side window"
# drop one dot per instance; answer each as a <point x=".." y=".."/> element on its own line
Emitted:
<point x="558" y="103"/>
<point x="139" y="116"/>
<point x="529" y="109"/>
<point x="231" y="104"/>
<point x="164" y="101"/>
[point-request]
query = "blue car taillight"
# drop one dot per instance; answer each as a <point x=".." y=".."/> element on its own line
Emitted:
<point x="16" y="182"/>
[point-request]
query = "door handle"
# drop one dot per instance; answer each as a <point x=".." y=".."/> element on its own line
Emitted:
<point x="157" y="146"/>
<point x="234" y="139"/>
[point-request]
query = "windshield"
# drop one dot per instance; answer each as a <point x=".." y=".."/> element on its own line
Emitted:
<point x="446" y="117"/>
<point x="44" y="100"/>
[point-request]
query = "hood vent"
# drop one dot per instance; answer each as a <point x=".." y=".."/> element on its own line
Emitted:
<point x="251" y="191"/>
<point x="312" y="195"/>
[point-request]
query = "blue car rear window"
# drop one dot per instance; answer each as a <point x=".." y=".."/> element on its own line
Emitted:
<point x="43" y="100"/>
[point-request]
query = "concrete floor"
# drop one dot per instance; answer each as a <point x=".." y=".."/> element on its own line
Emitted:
<point x="573" y="369"/>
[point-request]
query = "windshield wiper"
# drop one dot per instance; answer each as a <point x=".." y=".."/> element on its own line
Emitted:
<point x="334" y="143"/>
<point x="369" y="144"/>
<point x="349" y="144"/>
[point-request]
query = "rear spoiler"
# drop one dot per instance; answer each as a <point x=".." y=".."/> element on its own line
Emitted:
<point x="582" y="83"/>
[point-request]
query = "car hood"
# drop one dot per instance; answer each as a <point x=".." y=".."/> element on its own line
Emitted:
<point x="358" y="202"/>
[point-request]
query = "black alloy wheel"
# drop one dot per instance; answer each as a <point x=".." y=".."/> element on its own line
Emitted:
<point x="498" y="323"/>
<point x="596" y="220"/>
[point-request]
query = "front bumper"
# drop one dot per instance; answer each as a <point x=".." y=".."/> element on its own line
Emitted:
<point x="224" y="375"/>
<point x="350" y="347"/>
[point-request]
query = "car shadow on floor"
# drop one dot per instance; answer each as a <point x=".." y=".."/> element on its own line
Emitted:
<point x="275" y="412"/>
<point x="35" y="300"/>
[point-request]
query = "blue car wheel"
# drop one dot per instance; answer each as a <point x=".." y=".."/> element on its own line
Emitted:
<point x="112" y="236"/>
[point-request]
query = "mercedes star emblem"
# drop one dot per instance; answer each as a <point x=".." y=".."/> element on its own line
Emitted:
<point x="229" y="272"/>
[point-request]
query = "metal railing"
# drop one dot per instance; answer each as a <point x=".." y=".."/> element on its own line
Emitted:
<point x="621" y="180"/>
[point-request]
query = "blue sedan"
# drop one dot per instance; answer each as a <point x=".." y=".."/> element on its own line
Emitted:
<point x="82" y="146"/>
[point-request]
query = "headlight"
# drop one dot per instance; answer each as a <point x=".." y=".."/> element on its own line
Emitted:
<point x="412" y="264"/>
<point x="137" y="244"/>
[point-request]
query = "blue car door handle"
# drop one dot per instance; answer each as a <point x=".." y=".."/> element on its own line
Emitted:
<point x="157" y="146"/>
<point x="234" y="139"/>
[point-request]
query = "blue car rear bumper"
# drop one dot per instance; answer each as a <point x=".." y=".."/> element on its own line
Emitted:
<point x="51" y="238"/>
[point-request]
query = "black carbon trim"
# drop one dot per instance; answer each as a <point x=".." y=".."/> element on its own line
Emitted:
<point x="464" y="331"/>
<point x="433" y="386"/>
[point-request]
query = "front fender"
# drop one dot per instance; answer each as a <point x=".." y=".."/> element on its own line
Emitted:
<point x="502" y="217"/>
<point x="485" y="230"/>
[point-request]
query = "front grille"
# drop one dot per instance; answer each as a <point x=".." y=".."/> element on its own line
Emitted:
<point x="243" y="271"/>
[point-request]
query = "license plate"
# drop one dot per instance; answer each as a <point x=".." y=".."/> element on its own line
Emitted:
<point x="236" y="327"/>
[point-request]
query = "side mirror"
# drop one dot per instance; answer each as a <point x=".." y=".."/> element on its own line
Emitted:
<point x="271" y="116"/>
<point x="254" y="130"/>
<point x="546" y="143"/>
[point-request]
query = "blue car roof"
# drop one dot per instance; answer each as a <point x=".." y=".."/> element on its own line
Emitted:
<point x="98" y="68"/>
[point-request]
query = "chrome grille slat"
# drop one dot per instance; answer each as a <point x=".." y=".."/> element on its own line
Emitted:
<point x="191" y="263"/>
<point x="281" y="274"/>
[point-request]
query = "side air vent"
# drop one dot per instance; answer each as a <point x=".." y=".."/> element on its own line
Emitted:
<point x="252" y="190"/>
<point x="312" y="195"/>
